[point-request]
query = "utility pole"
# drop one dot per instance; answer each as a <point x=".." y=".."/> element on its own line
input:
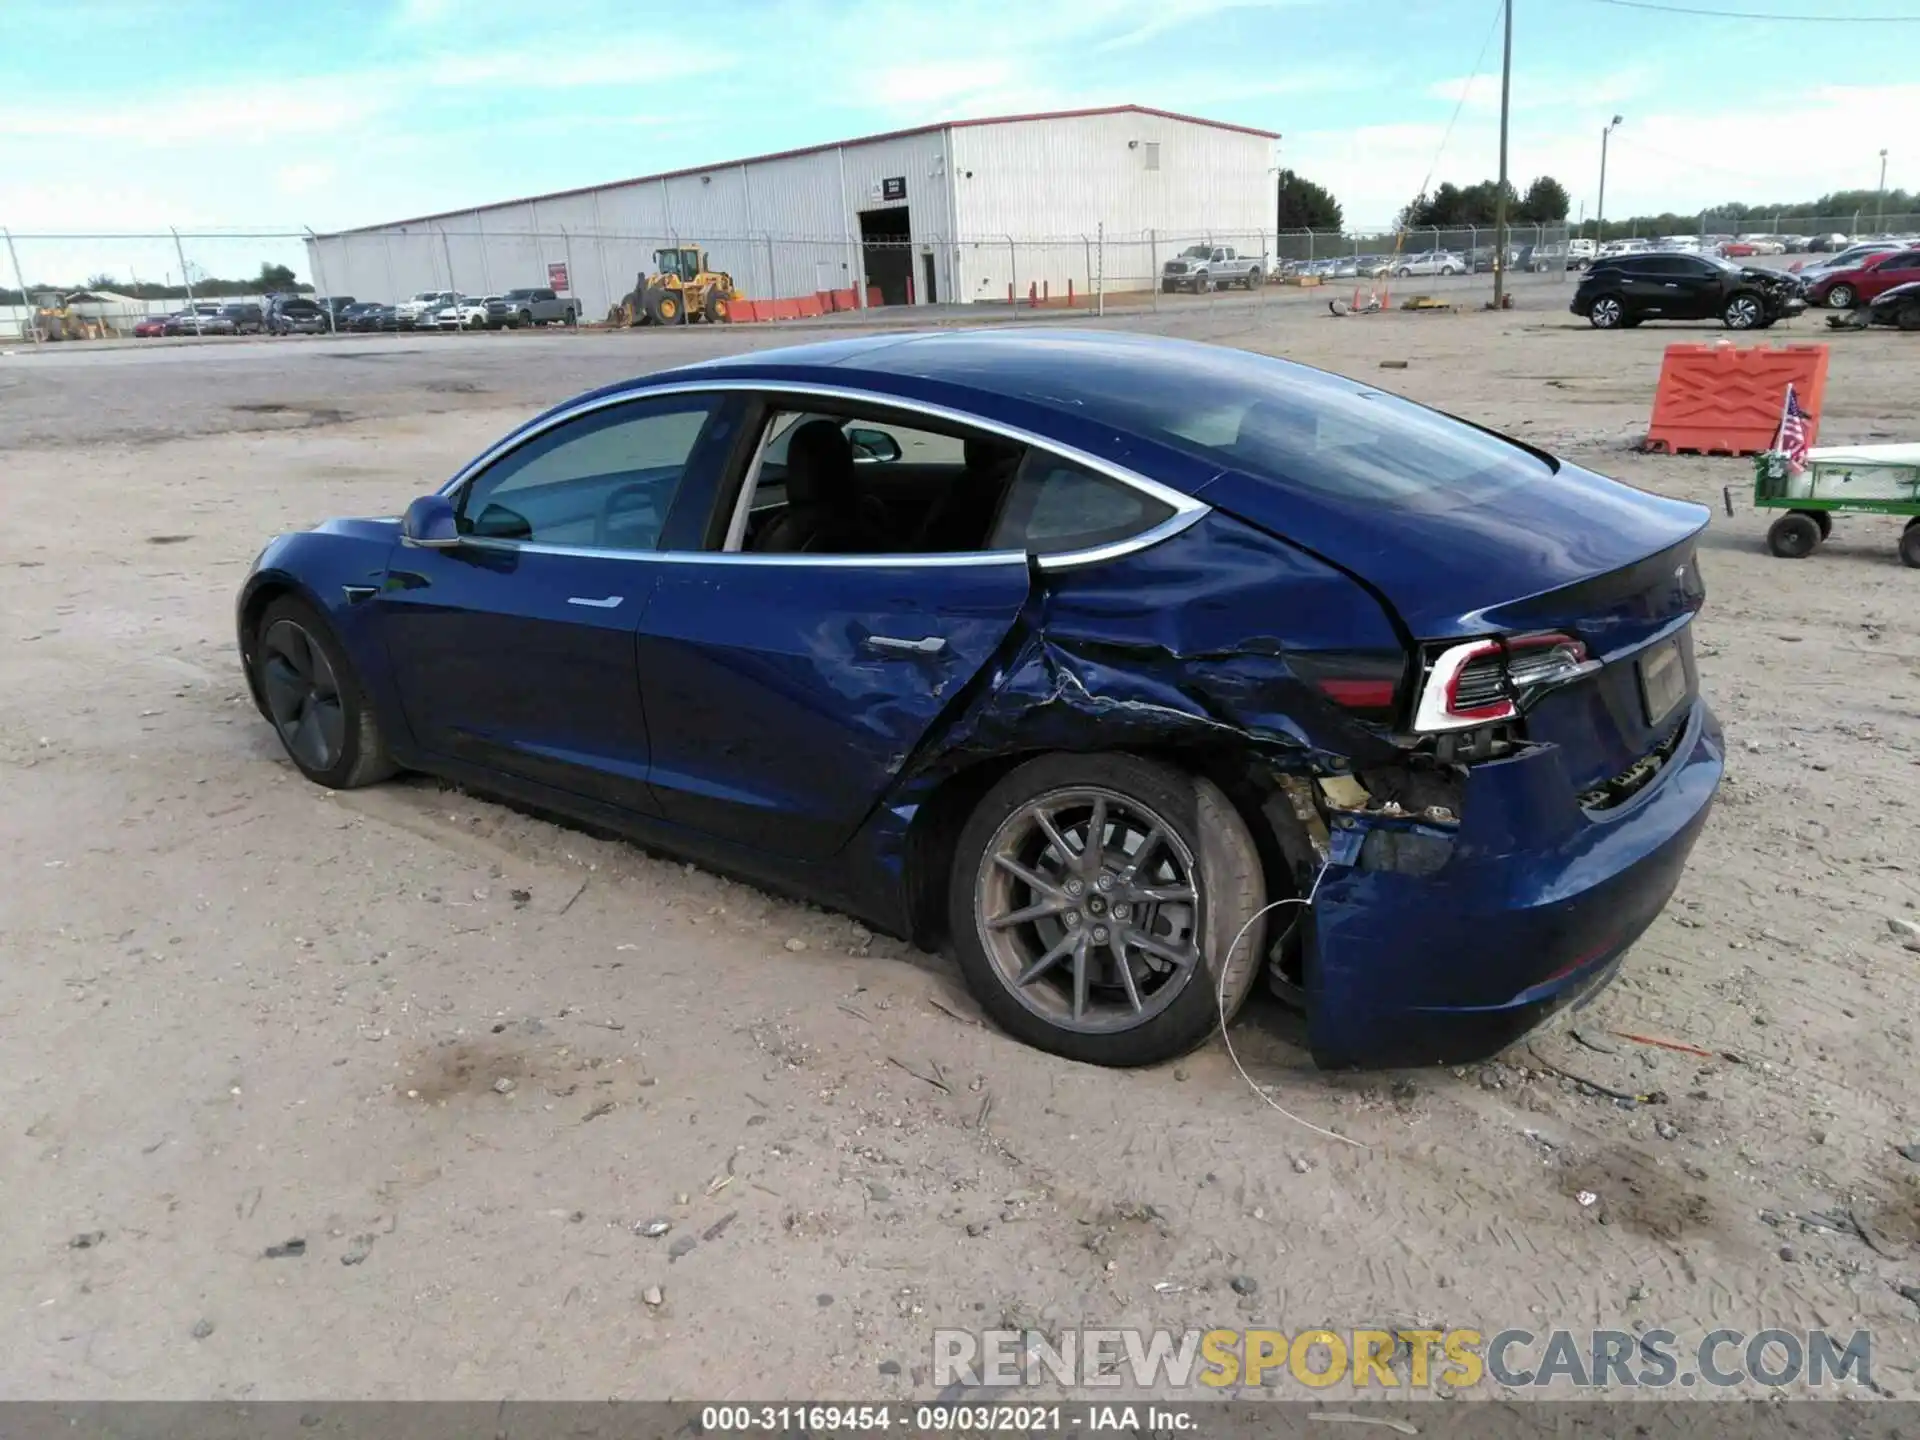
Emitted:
<point x="1600" y="210"/>
<point x="1500" y="195"/>
<point x="1880" y="197"/>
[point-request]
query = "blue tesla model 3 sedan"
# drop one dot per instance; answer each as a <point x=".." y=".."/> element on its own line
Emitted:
<point x="1074" y="653"/>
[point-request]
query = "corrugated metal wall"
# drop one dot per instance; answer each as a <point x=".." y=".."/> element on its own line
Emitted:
<point x="1153" y="182"/>
<point x="791" y="226"/>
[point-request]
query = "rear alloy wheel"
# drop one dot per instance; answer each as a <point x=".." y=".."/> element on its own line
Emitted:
<point x="1606" y="313"/>
<point x="1793" y="536"/>
<point x="1840" y="297"/>
<point x="1093" y="900"/>
<point x="1743" y="312"/>
<point x="1908" y="318"/>
<point x="314" y="699"/>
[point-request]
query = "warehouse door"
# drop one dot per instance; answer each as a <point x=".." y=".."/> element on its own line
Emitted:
<point x="886" y="242"/>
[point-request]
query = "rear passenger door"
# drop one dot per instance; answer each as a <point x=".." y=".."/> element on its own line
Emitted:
<point x="786" y="692"/>
<point x="1900" y="269"/>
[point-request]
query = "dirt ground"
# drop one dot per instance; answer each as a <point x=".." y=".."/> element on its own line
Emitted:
<point x="240" y="1011"/>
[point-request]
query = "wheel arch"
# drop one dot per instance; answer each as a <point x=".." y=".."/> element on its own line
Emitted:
<point x="260" y="591"/>
<point x="1242" y="773"/>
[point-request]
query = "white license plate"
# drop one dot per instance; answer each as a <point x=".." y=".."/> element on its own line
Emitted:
<point x="1663" y="680"/>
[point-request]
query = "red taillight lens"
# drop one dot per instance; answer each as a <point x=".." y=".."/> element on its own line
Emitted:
<point x="1478" y="683"/>
<point x="1363" y="682"/>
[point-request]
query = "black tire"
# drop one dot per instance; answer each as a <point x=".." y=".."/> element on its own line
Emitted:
<point x="1230" y="890"/>
<point x="1910" y="545"/>
<point x="1743" y="311"/>
<point x="1793" y="536"/>
<point x="1908" y="318"/>
<point x="1840" y="297"/>
<point x="1824" y="519"/>
<point x="356" y="755"/>
<point x="1607" y="312"/>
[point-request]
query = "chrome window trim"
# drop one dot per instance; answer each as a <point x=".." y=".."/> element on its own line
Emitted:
<point x="1187" y="510"/>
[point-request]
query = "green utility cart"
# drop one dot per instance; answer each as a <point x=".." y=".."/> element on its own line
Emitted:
<point x="1867" y="479"/>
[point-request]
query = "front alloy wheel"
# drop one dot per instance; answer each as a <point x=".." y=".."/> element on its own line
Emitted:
<point x="308" y="689"/>
<point x="1094" y="899"/>
<point x="1606" y="313"/>
<point x="1840" y="297"/>
<point x="1743" y="312"/>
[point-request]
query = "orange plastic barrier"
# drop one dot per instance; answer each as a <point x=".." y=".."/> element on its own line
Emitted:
<point x="810" y="307"/>
<point x="874" y="299"/>
<point x="746" y="311"/>
<point x="1726" y="399"/>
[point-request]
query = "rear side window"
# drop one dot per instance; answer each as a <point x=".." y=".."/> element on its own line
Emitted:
<point x="1055" y="506"/>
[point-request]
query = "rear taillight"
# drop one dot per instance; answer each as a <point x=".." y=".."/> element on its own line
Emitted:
<point x="1483" y="681"/>
<point x="1365" y="683"/>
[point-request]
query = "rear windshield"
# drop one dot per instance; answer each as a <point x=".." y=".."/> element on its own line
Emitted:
<point x="1308" y="430"/>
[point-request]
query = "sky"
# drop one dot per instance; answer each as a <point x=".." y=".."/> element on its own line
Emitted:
<point x="222" y="115"/>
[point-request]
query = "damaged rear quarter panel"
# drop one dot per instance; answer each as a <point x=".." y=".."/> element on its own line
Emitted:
<point x="1181" y="647"/>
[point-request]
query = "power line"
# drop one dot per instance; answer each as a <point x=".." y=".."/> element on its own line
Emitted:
<point x="1760" y="15"/>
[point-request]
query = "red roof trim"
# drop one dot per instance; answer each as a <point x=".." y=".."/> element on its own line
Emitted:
<point x="815" y="150"/>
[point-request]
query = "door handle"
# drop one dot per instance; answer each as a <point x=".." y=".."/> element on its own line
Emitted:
<point x="607" y="604"/>
<point x="894" y="645"/>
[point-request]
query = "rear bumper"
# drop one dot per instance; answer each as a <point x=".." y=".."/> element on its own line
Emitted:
<point x="1528" y="908"/>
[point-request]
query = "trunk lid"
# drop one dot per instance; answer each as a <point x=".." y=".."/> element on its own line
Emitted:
<point x="1559" y="548"/>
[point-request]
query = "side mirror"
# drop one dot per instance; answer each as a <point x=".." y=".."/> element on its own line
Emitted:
<point x="873" y="445"/>
<point x="429" y="524"/>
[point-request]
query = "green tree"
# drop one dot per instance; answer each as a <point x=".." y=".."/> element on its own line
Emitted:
<point x="1545" y="203"/>
<point x="1304" y="205"/>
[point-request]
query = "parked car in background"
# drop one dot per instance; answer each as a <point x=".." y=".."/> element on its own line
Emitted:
<point x="370" y="315"/>
<point x="295" y="315"/>
<point x="464" y="313"/>
<point x="1628" y="289"/>
<point x="1431" y="262"/>
<point x="1898" y="307"/>
<point x="1468" y="661"/>
<point x="1844" y="289"/>
<point x="1624" y="247"/>
<point x="1735" y="249"/>
<point x="151" y="326"/>
<point x="1846" y="259"/>
<point x="1374" y="266"/>
<point x="247" y="316"/>
<point x="1211" y="267"/>
<point x="1763" y="244"/>
<point x="1831" y="241"/>
<point x="534" y="306"/>
<point x="420" y="307"/>
<point x="1580" y="251"/>
<point x="203" y="318"/>
<point x="334" y="306"/>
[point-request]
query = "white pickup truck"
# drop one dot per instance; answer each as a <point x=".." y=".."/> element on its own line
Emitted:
<point x="1211" y="267"/>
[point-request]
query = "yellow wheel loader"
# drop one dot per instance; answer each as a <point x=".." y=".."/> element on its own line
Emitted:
<point x="680" y="290"/>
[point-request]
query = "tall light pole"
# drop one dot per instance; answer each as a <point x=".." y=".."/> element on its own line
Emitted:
<point x="1880" y="197"/>
<point x="1600" y="210"/>
<point x="1500" y="195"/>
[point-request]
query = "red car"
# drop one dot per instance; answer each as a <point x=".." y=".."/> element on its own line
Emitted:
<point x="151" y="326"/>
<point x="1733" y="248"/>
<point x="1844" y="289"/>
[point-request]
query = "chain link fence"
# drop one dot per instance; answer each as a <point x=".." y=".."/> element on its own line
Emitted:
<point x="107" y="284"/>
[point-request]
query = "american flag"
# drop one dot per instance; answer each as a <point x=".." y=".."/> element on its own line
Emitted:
<point x="1795" y="428"/>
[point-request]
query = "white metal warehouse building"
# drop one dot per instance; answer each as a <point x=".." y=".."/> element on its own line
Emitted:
<point x="951" y="212"/>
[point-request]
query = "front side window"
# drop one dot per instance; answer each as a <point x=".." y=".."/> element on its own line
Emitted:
<point x="604" y="481"/>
